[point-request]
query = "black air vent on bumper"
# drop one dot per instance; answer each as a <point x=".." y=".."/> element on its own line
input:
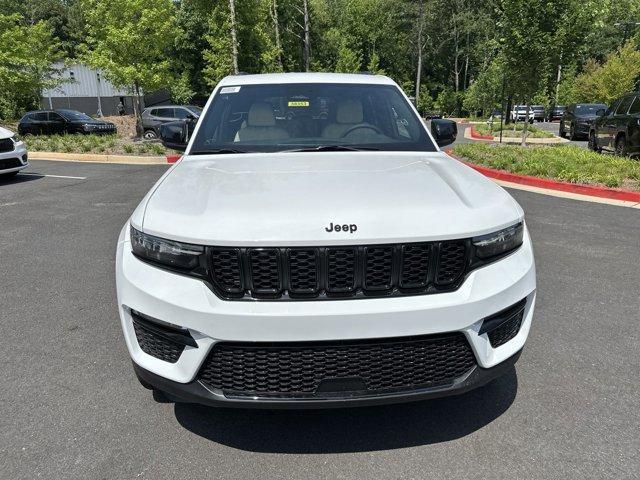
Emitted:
<point x="160" y="341"/>
<point x="504" y="325"/>
<point x="312" y="369"/>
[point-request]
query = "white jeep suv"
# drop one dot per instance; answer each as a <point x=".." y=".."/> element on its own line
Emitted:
<point x="314" y="247"/>
<point x="13" y="154"/>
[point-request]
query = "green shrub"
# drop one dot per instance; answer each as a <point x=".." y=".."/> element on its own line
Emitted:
<point x="561" y="162"/>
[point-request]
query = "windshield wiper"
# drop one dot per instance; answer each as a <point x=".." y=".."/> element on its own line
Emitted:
<point x="216" y="151"/>
<point x="331" y="148"/>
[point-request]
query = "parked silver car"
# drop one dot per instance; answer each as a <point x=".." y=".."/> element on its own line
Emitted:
<point x="153" y="117"/>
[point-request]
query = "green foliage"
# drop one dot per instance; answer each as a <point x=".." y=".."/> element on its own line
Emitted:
<point x="348" y="60"/>
<point x="100" y="144"/>
<point x="26" y="56"/>
<point x="129" y="39"/>
<point x="447" y="101"/>
<point x="567" y="163"/>
<point x="511" y="130"/>
<point x="607" y="81"/>
<point x="485" y="93"/>
<point x="181" y="91"/>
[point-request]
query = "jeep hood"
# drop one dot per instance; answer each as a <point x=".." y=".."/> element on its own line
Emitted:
<point x="288" y="199"/>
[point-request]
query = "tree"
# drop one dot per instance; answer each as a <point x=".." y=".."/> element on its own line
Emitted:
<point x="27" y="54"/>
<point x="128" y="40"/>
<point x="608" y="81"/>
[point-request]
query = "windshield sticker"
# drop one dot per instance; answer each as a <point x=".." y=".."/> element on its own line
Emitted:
<point x="229" y="90"/>
<point x="298" y="103"/>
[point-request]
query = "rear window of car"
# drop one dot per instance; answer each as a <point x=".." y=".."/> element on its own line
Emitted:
<point x="635" y="106"/>
<point x="623" y="108"/>
<point x="164" y="112"/>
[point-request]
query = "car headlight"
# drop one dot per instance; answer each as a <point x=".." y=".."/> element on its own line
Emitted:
<point x="16" y="139"/>
<point x="171" y="254"/>
<point x="87" y="127"/>
<point x="499" y="243"/>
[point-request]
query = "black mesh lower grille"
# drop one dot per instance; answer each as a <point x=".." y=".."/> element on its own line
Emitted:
<point x="507" y="330"/>
<point x="298" y="370"/>
<point x="9" y="163"/>
<point x="156" y="345"/>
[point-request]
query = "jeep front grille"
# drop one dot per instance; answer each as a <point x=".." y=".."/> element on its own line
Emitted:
<point x="339" y="272"/>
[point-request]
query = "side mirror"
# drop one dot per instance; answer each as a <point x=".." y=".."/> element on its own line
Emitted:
<point x="444" y="131"/>
<point x="175" y="135"/>
<point x="191" y="116"/>
<point x="601" y="112"/>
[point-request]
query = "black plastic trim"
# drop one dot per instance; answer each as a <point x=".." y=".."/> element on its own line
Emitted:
<point x="195" y="392"/>
<point x="176" y="335"/>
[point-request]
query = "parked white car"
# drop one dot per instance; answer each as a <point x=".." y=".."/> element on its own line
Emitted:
<point x="315" y="247"/>
<point x="13" y="153"/>
<point x="519" y="113"/>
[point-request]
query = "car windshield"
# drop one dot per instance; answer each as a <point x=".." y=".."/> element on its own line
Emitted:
<point x="74" y="115"/>
<point x="305" y="116"/>
<point x="589" y="109"/>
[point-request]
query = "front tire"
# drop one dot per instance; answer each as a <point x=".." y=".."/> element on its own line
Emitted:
<point x="561" y="132"/>
<point x="572" y="133"/>
<point x="593" y="143"/>
<point x="621" y="146"/>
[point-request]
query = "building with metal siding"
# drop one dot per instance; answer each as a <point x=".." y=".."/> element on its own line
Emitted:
<point x="86" y="90"/>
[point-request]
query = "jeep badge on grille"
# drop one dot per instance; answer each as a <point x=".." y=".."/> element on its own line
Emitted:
<point x="351" y="228"/>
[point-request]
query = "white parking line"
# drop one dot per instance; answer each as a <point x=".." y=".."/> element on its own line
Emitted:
<point x="53" y="176"/>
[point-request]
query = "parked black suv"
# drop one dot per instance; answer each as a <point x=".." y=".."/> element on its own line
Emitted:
<point x="555" y="113"/>
<point x="62" y="121"/>
<point x="577" y="118"/>
<point x="617" y="129"/>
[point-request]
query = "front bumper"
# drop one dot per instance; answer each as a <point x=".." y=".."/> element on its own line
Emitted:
<point x="14" y="160"/>
<point x="190" y="304"/>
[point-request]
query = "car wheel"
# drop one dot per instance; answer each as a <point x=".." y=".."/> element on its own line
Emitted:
<point x="621" y="146"/>
<point x="149" y="135"/>
<point x="562" y="133"/>
<point x="572" y="133"/>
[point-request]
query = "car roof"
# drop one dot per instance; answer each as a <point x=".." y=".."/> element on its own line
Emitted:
<point x="270" y="78"/>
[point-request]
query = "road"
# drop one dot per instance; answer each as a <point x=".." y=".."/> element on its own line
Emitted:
<point x="72" y="409"/>
<point x="552" y="127"/>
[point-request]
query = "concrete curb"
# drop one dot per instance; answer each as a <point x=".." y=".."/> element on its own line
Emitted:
<point x="549" y="184"/>
<point x="473" y="134"/>
<point x="96" y="158"/>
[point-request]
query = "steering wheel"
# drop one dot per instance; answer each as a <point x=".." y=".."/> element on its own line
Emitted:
<point x="357" y="127"/>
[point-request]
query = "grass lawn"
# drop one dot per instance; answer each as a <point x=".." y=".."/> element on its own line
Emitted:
<point x="100" y="144"/>
<point x="507" y="130"/>
<point x="566" y="163"/>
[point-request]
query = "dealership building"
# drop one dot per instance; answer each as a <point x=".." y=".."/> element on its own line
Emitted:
<point x="86" y="90"/>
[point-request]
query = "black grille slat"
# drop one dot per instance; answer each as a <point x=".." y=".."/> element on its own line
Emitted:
<point x="378" y="268"/>
<point x="265" y="271"/>
<point x="296" y="370"/>
<point x="10" y="163"/>
<point x="415" y="266"/>
<point x="226" y="269"/>
<point x="451" y="262"/>
<point x="6" y="145"/>
<point x="341" y="270"/>
<point x="303" y="271"/>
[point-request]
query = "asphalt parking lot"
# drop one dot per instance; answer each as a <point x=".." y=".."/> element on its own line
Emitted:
<point x="72" y="408"/>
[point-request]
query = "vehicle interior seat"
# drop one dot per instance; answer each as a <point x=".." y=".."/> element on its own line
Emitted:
<point x="260" y="125"/>
<point x="348" y="114"/>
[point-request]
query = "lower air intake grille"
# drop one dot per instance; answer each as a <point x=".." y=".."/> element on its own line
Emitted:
<point x="299" y="370"/>
<point x="154" y="344"/>
<point x="10" y="163"/>
<point x="507" y="330"/>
